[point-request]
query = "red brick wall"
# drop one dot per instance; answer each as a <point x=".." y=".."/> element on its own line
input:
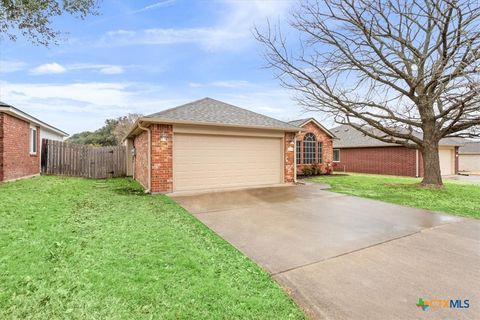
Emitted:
<point x="399" y="161"/>
<point x="140" y="143"/>
<point x="162" y="158"/>
<point x="321" y="136"/>
<point x="1" y="146"/>
<point x="289" y="173"/>
<point x="16" y="159"/>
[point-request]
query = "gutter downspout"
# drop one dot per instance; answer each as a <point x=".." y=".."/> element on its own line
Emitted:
<point x="149" y="145"/>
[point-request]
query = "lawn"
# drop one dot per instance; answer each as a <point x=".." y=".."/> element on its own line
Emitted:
<point x="83" y="249"/>
<point x="456" y="198"/>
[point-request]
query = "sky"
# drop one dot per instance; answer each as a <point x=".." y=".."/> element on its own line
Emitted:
<point x="144" y="57"/>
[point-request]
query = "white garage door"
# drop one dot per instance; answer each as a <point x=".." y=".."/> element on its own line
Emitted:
<point x="216" y="162"/>
<point x="469" y="162"/>
<point x="446" y="161"/>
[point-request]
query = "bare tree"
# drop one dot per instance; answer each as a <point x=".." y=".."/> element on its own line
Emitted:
<point x="33" y="18"/>
<point x="401" y="71"/>
<point x="124" y="124"/>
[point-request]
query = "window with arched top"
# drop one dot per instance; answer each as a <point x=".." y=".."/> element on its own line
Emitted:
<point x="309" y="144"/>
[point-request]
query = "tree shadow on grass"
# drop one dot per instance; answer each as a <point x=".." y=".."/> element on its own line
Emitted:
<point x="130" y="191"/>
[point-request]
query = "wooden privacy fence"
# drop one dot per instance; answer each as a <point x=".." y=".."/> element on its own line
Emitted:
<point x="60" y="158"/>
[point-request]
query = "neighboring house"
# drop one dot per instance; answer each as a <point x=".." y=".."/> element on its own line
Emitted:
<point x="20" y="142"/>
<point x="209" y="144"/>
<point x="355" y="152"/>
<point x="314" y="146"/>
<point x="469" y="157"/>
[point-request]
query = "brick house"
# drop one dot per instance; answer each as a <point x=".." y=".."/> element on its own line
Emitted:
<point x="314" y="145"/>
<point x="20" y="142"/>
<point x="208" y="145"/>
<point x="355" y="152"/>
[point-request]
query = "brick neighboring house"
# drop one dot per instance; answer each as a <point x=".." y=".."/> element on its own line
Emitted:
<point x="355" y="152"/>
<point x="207" y="145"/>
<point x="314" y="146"/>
<point x="20" y="142"/>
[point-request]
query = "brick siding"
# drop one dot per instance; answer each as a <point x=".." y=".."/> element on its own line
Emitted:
<point x="327" y="146"/>
<point x="162" y="158"/>
<point x="289" y="165"/>
<point x="16" y="160"/>
<point x="399" y="161"/>
<point x="1" y="146"/>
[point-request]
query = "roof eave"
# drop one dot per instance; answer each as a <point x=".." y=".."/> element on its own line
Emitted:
<point x="214" y="124"/>
<point x="11" y="110"/>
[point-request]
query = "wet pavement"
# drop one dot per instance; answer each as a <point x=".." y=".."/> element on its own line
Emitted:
<point x="473" y="178"/>
<point x="342" y="256"/>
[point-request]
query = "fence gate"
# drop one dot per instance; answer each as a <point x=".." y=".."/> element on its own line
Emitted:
<point x="60" y="158"/>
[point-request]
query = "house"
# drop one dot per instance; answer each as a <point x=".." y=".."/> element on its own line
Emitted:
<point x="20" y="142"/>
<point x="353" y="151"/>
<point x="469" y="157"/>
<point x="209" y="144"/>
<point x="314" y="145"/>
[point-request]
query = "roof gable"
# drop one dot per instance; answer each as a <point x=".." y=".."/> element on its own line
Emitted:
<point x="303" y="122"/>
<point x="209" y="111"/>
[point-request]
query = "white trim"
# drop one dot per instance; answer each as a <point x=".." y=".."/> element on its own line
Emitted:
<point x="33" y="143"/>
<point x="319" y="125"/>
<point x="339" y="156"/>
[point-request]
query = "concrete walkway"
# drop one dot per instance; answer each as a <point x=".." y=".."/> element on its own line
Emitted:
<point x="344" y="257"/>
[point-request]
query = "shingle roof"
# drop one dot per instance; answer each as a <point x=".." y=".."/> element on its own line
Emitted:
<point x="348" y="137"/>
<point x="298" y="122"/>
<point x="470" y="148"/>
<point x="211" y="111"/>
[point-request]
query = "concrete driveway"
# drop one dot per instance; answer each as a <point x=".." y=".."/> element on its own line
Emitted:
<point x="344" y="257"/>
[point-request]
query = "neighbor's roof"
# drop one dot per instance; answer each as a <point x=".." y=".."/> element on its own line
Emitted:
<point x="209" y="111"/>
<point x="471" y="147"/>
<point x="9" y="109"/>
<point x="302" y="122"/>
<point x="349" y="137"/>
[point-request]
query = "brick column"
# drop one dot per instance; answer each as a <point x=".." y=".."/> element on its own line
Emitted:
<point x="289" y="163"/>
<point x="162" y="164"/>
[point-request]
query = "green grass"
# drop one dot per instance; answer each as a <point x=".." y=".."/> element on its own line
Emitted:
<point x="81" y="249"/>
<point x="456" y="198"/>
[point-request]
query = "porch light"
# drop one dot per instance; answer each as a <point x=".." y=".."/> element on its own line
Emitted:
<point x="163" y="137"/>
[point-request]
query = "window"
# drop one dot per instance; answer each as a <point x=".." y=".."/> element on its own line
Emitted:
<point x="309" y="148"/>
<point x="298" y="153"/>
<point x="336" y="155"/>
<point x="33" y="140"/>
<point x="320" y="152"/>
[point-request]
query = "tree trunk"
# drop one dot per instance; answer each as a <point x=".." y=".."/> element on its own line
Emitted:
<point x="431" y="165"/>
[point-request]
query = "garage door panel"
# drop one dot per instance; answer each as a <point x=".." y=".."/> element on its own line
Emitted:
<point x="446" y="161"/>
<point x="211" y="162"/>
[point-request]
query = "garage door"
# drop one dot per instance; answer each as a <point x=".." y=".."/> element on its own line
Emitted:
<point x="446" y="161"/>
<point x="216" y="162"/>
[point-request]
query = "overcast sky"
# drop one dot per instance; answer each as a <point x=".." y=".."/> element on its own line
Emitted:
<point x="143" y="57"/>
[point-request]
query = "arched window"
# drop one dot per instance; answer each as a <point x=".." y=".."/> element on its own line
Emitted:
<point x="309" y="144"/>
